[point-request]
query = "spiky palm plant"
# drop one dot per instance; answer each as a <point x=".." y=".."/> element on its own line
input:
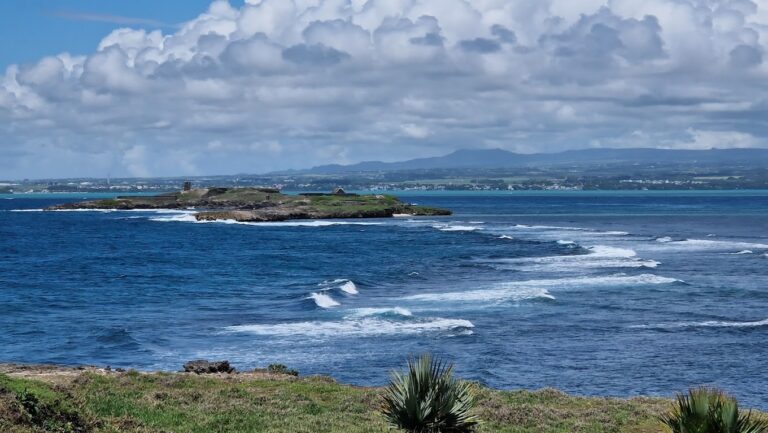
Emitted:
<point x="428" y="399"/>
<point x="705" y="410"/>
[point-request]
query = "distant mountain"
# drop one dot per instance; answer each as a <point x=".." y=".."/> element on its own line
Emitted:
<point x="498" y="158"/>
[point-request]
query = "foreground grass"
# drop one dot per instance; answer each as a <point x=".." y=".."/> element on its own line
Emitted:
<point x="167" y="402"/>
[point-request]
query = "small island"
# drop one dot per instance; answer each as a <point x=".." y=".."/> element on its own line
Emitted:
<point x="263" y="204"/>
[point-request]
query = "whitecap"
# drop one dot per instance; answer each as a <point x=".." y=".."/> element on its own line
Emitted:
<point x="664" y="239"/>
<point x="323" y="300"/>
<point x="705" y="324"/>
<point x="562" y="242"/>
<point x="566" y="228"/>
<point x="495" y="296"/>
<point x="741" y="253"/>
<point x="190" y="217"/>
<point x="393" y="311"/>
<point x="532" y="289"/>
<point x="65" y="210"/>
<point x="333" y="282"/>
<point x="366" y="326"/>
<point x="178" y="217"/>
<point x="706" y="244"/>
<point x="456" y="228"/>
<point x="505" y="237"/>
<point x="609" y="251"/>
<point x="599" y="256"/>
<point x="349" y="287"/>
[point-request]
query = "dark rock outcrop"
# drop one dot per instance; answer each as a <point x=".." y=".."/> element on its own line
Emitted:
<point x="202" y="366"/>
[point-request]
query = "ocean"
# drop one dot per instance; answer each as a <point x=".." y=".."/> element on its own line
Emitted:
<point x="593" y="293"/>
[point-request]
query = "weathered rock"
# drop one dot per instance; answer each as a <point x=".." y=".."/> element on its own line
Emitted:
<point x="202" y="366"/>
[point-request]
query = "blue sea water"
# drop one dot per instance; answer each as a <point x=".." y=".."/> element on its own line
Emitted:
<point x="604" y="293"/>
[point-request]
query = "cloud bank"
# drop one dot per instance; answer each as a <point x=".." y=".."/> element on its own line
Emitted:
<point x="295" y="83"/>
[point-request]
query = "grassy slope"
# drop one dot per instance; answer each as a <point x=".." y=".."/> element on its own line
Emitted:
<point x="161" y="402"/>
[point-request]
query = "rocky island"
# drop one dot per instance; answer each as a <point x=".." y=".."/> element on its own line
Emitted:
<point x="263" y="204"/>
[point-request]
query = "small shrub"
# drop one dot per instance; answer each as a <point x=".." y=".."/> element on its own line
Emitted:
<point x="428" y="399"/>
<point x="281" y="369"/>
<point x="30" y="403"/>
<point x="705" y="410"/>
<point x="51" y="417"/>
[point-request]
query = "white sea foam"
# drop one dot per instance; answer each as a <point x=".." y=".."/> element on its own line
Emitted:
<point x="323" y="300"/>
<point x="563" y="242"/>
<point x="394" y="311"/>
<point x="493" y="295"/>
<point x="505" y="237"/>
<point x="532" y="289"/>
<point x="599" y="256"/>
<point x="349" y="287"/>
<point x="179" y="217"/>
<point x="65" y="210"/>
<point x="707" y="244"/>
<point x="741" y="253"/>
<point x="609" y="251"/>
<point x="456" y="228"/>
<point x="575" y="229"/>
<point x="706" y="324"/>
<point x="577" y="265"/>
<point x="664" y="239"/>
<point x="190" y="217"/>
<point x="333" y="282"/>
<point x="365" y="326"/>
<point x="343" y="284"/>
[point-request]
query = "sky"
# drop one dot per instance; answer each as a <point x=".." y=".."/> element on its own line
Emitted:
<point x="192" y="87"/>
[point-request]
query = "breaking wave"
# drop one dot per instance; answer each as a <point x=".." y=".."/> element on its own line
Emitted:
<point x="493" y="295"/>
<point x="394" y="311"/>
<point x="533" y="289"/>
<point x="190" y="217"/>
<point x="599" y="256"/>
<point x="705" y="324"/>
<point x="343" y="284"/>
<point x="707" y="244"/>
<point x="365" y="326"/>
<point x="456" y="228"/>
<point x="323" y="300"/>
<point x="575" y="229"/>
<point x="349" y="287"/>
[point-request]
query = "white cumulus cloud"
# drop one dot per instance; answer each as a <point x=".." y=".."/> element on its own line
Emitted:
<point x="293" y="83"/>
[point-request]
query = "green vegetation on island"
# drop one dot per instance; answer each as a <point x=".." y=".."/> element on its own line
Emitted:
<point x="263" y="204"/>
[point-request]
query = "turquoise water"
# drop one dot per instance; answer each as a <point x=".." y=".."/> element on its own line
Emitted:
<point x="596" y="293"/>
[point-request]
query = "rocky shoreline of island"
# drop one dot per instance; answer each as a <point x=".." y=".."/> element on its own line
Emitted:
<point x="262" y="205"/>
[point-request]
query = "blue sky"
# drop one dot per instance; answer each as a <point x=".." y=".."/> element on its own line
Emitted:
<point x="196" y="87"/>
<point x="31" y="29"/>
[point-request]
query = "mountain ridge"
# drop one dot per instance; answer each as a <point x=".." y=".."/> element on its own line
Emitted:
<point x="499" y="158"/>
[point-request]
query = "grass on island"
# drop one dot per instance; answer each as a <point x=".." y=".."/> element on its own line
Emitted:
<point x="169" y="402"/>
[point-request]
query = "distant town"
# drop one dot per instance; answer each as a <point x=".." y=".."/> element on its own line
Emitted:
<point x="419" y="180"/>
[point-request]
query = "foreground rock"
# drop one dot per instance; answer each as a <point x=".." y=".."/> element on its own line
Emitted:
<point x="263" y="205"/>
<point x="208" y="367"/>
